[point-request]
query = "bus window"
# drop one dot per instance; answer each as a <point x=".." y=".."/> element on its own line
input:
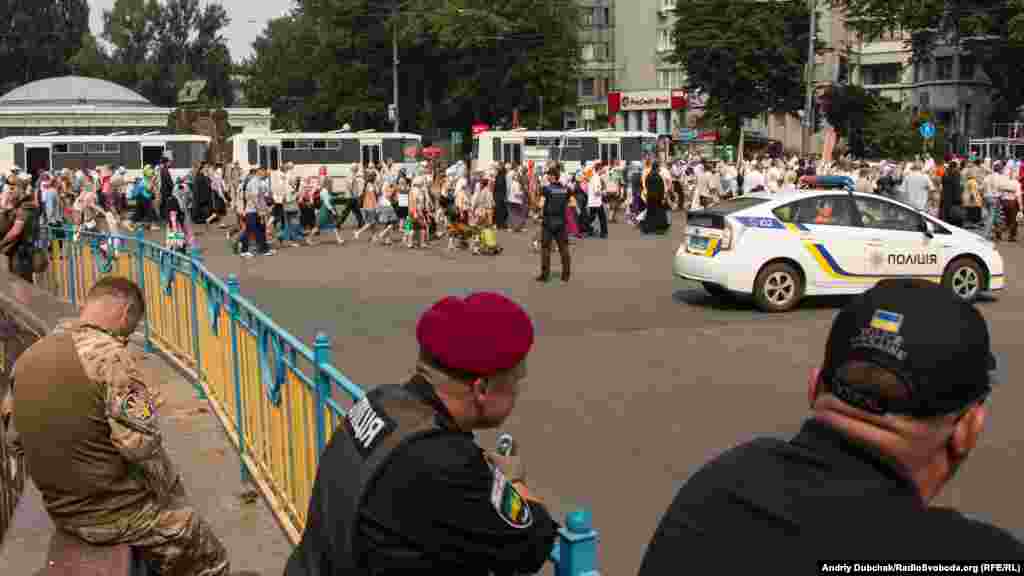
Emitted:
<point x="609" y="152"/>
<point x="476" y="148"/>
<point x="512" y="153"/>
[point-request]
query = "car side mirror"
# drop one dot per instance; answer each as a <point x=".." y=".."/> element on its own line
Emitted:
<point x="927" y="228"/>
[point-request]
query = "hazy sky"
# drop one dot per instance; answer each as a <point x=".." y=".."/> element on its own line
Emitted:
<point x="248" y="17"/>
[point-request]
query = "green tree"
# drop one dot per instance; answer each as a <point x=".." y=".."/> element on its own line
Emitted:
<point x="329" y="63"/>
<point x="90" y="60"/>
<point x="39" y="38"/>
<point x="992" y="31"/>
<point x="892" y="133"/>
<point x="156" y="48"/>
<point x="747" y="56"/>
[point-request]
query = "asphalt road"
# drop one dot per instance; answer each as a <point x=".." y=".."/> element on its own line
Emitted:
<point x="636" y="379"/>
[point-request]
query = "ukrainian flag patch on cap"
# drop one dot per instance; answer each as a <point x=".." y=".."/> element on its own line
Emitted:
<point x="887" y="321"/>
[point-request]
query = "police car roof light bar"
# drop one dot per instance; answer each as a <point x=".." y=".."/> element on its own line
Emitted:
<point x="828" y="182"/>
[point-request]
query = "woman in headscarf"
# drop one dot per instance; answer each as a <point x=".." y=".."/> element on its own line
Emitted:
<point x="656" y="220"/>
<point x="220" y="200"/>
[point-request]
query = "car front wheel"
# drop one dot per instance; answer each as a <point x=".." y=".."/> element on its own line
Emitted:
<point x="778" y="288"/>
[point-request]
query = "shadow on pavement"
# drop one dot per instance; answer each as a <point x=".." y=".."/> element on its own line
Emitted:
<point x="743" y="303"/>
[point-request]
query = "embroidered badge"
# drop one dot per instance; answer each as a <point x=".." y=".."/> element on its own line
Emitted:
<point x="138" y="406"/>
<point x="887" y="321"/>
<point x="509" y="503"/>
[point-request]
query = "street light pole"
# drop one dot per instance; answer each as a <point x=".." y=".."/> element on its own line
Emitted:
<point x="809" y="103"/>
<point x="394" y="62"/>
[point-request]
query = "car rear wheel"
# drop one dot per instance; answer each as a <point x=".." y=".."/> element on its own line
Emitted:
<point x="778" y="288"/>
<point x="965" y="278"/>
<point x="717" y="290"/>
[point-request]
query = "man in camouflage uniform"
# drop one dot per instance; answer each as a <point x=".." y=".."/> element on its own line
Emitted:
<point x="87" y="424"/>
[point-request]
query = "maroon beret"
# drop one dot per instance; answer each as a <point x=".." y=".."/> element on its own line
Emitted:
<point x="483" y="333"/>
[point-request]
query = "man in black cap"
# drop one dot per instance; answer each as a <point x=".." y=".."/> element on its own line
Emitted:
<point x="403" y="488"/>
<point x="897" y="407"/>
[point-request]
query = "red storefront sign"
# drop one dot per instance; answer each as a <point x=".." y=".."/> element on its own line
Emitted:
<point x="678" y="99"/>
<point x="479" y="127"/>
<point x="614" y="102"/>
<point x="652" y="121"/>
<point x="707" y="136"/>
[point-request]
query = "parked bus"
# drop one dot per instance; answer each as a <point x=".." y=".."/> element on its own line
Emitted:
<point x="573" y="147"/>
<point x="308" y="151"/>
<point x="56" y="152"/>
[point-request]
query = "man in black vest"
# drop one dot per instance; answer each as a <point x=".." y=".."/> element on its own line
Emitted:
<point x="553" y="203"/>
<point x="403" y="488"/>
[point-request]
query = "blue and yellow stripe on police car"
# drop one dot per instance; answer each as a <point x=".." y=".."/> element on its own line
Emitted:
<point x="832" y="268"/>
<point x="713" y="247"/>
<point x="797" y="228"/>
<point x="997" y="282"/>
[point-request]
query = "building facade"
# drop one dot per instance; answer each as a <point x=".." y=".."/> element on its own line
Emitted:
<point x="648" y="93"/>
<point x="949" y="86"/>
<point x="75" y="105"/>
<point x="597" y="66"/>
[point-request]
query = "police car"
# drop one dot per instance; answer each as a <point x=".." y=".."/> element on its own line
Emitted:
<point x="828" y="240"/>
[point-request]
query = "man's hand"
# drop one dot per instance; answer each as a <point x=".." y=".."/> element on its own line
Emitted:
<point x="511" y="466"/>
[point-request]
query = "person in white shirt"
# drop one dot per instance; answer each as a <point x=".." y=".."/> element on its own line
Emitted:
<point x="595" y="200"/>
<point x="916" y="187"/>
<point x="753" y="179"/>
<point x="515" y="199"/>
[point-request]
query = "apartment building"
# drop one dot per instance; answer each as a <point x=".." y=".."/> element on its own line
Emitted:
<point x="647" y="92"/>
<point x="597" y="69"/>
<point x="950" y="86"/>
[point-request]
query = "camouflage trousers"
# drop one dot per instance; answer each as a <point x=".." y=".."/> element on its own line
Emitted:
<point x="174" y="540"/>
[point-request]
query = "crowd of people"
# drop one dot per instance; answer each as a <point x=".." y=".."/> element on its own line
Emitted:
<point x="983" y="194"/>
<point x="420" y="203"/>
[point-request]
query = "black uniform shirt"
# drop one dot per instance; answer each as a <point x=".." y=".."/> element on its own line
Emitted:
<point x="430" y="512"/>
<point x="817" y="497"/>
<point x="556" y="201"/>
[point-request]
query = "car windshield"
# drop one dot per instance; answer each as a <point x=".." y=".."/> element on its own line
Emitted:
<point x="735" y="205"/>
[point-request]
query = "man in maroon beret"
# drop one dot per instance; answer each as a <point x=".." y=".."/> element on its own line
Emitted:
<point x="403" y="487"/>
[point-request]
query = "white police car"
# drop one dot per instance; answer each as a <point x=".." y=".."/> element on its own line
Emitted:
<point x="828" y="240"/>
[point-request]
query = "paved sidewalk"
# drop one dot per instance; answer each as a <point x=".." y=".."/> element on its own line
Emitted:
<point x="210" y="468"/>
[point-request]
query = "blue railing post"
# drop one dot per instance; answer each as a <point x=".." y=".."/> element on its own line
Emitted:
<point x="321" y="357"/>
<point x="197" y="260"/>
<point x="577" y="546"/>
<point x="233" y="296"/>
<point x="140" y="266"/>
<point x="72" y="278"/>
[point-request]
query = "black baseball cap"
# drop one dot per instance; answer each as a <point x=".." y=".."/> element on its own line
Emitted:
<point x="937" y="344"/>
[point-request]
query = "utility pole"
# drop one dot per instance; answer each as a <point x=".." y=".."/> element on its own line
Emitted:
<point x="394" y="62"/>
<point x="809" y="103"/>
<point x="540" y="124"/>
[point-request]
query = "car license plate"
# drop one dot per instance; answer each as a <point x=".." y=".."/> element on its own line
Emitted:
<point x="698" y="244"/>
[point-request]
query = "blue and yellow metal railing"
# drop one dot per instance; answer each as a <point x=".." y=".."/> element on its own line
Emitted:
<point x="279" y="400"/>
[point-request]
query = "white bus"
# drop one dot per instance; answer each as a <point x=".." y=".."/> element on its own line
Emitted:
<point x="338" y="151"/>
<point x="52" y="153"/>
<point x="573" y="147"/>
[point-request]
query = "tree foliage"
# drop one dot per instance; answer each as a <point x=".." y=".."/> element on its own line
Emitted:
<point x="39" y="38"/>
<point x="892" y="133"/>
<point x="990" y="30"/>
<point x="747" y="57"/>
<point x="329" y="62"/>
<point x="157" y="47"/>
<point x="154" y="48"/>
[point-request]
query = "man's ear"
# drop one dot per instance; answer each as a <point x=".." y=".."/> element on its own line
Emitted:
<point x="813" y="387"/>
<point x="967" y="431"/>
